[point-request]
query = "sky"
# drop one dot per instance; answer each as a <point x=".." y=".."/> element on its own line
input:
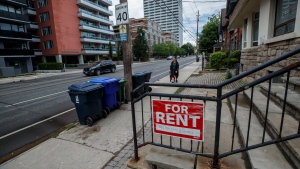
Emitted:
<point x="206" y="9"/>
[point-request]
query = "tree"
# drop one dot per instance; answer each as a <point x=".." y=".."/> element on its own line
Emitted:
<point x="140" y="46"/>
<point x="161" y="49"/>
<point x="189" y="48"/>
<point x="209" y="34"/>
<point x="172" y="49"/>
<point x="110" y="51"/>
<point x="118" y="51"/>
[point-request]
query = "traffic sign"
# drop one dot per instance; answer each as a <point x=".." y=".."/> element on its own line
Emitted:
<point x="123" y="37"/>
<point x="122" y="29"/>
<point x="122" y="16"/>
<point x="178" y="119"/>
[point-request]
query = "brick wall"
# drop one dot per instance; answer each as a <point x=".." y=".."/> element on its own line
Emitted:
<point x="256" y="55"/>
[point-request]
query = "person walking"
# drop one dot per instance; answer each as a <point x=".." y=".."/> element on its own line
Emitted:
<point x="174" y="70"/>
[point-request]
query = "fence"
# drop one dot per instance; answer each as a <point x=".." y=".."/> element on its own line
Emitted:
<point x="215" y="155"/>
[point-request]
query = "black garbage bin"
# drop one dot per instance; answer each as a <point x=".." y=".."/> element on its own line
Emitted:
<point x="138" y="78"/>
<point x="87" y="98"/>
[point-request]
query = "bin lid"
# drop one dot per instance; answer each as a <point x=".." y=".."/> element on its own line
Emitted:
<point x="104" y="80"/>
<point x="122" y="81"/>
<point x="84" y="87"/>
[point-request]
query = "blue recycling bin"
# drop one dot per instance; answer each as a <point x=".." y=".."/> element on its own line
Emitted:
<point x="87" y="99"/>
<point x="110" y="88"/>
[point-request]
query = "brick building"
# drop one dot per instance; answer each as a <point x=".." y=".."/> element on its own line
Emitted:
<point x="170" y="38"/>
<point x="266" y="36"/>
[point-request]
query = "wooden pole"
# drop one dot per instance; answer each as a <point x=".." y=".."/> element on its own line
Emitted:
<point x="127" y="61"/>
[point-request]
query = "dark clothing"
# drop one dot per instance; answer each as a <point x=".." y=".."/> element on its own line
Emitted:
<point x="173" y="68"/>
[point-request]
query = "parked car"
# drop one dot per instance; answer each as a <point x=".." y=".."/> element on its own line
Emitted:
<point x="169" y="57"/>
<point x="99" y="67"/>
<point x="178" y="57"/>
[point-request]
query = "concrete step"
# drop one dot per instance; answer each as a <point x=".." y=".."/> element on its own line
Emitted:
<point x="291" y="148"/>
<point x="267" y="157"/>
<point x="277" y="96"/>
<point x="294" y="83"/>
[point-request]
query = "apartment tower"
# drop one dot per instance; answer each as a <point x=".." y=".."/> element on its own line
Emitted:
<point x="168" y="14"/>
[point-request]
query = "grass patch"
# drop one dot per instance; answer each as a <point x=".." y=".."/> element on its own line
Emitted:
<point x="54" y="135"/>
<point x="72" y="125"/>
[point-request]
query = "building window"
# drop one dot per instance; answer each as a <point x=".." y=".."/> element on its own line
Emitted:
<point x="285" y="16"/>
<point x="245" y="32"/>
<point x="255" y="29"/>
<point x="46" y="31"/>
<point x="42" y="3"/>
<point x="48" y="44"/>
<point x="44" y="16"/>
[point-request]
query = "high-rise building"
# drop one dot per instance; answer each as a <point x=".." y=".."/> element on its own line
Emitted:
<point x="15" y="40"/>
<point x="165" y="13"/>
<point x="68" y="31"/>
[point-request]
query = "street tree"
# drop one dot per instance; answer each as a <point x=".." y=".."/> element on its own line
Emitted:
<point x="140" y="46"/>
<point x="110" y="51"/>
<point x="161" y="49"/>
<point x="118" y="51"/>
<point x="189" y="48"/>
<point x="172" y="49"/>
<point x="209" y="34"/>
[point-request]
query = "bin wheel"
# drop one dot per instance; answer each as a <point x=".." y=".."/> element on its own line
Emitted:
<point x="149" y="89"/>
<point x="105" y="114"/>
<point x="107" y="110"/>
<point x="126" y="101"/>
<point x="118" y="105"/>
<point x="89" y="121"/>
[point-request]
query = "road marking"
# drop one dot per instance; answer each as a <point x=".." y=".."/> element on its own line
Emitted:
<point x="36" y="98"/>
<point x="36" y="123"/>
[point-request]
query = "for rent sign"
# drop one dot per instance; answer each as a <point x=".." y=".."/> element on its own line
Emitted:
<point x="179" y="119"/>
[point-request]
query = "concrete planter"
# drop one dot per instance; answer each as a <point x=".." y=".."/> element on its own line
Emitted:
<point x="49" y="71"/>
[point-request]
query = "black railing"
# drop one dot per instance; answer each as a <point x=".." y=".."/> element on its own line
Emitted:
<point x="8" y="52"/>
<point x="16" y="2"/>
<point x="13" y="34"/>
<point x="220" y="96"/>
<point x="14" y="16"/>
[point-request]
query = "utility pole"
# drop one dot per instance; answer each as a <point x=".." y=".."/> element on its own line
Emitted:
<point x="127" y="61"/>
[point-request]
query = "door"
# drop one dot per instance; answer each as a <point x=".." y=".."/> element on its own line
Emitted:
<point x="23" y="66"/>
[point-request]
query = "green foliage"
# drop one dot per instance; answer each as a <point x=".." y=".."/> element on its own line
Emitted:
<point x="233" y="58"/>
<point x="71" y="65"/>
<point x="228" y="75"/>
<point x="180" y="51"/>
<point x="140" y="46"/>
<point x="217" y="60"/>
<point x="172" y="49"/>
<point x="209" y="34"/>
<point x="208" y="66"/>
<point x="189" y="48"/>
<point x="110" y="52"/>
<point x="161" y="49"/>
<point x="50" y="66"/>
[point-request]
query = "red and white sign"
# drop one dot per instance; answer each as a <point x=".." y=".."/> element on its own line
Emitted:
<point x="178" y="119"/>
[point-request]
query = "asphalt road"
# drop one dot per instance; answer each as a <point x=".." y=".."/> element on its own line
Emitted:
<point x="32" y="109"/>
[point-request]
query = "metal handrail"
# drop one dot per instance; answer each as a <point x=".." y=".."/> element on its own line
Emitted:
<point x="218" y="99"/>
<point x="97" y="38"/>
<point x="93" y="26"/>
<point x="98" y="6"/>
<point x="98" y="16"/>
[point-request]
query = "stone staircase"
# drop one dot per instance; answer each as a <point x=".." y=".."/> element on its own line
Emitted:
<point x="289" y="150"/>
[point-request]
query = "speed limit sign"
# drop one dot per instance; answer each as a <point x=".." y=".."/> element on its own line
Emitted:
<point x="122" y="16"/>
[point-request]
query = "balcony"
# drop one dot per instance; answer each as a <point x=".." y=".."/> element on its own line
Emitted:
<point x="13" y="17"/>
<point x="96" y="40"/>
<point x="15" y="35"/>
<point x="38" y="52"/>
<point x="96" y="51"/>
<point x="36" y="38"/>
<point x="15" y="2"/>
<point x="20" y="52"/>
<point x="106" y="2"/>
<point x="32" y="26"/>
<point x="29" y="11"/>
<point x="93" y="17"/>
<point x="94" y="6"/>
<point x="95" y="29"/>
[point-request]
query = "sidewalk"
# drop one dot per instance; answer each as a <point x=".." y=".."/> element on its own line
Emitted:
<point x="108" y="143"/>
